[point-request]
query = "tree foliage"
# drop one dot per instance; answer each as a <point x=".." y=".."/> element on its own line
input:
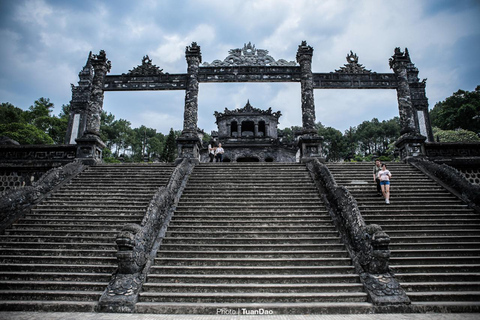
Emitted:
<point x="461" y="110"/>
<point x="458" y="135"/>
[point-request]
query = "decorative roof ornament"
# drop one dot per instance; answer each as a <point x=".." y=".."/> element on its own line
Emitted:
<point x="353" y="66"/>
<point x="146" y="69"/>
<point x="248" y="56"/>
<point x="248" y="109"/>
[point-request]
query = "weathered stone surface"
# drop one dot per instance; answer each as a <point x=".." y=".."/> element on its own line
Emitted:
<point x="453" y="179"/>
<point x="147" y="68"/>
<point x="304" y="58"/>
<point x="367" y="244"/>
<point x="352" y="66"/>
<point x="137" y="244"/>
<point x="399" y="63"/>
<point x="14" y="203"/>
<point x="248" y="56"/>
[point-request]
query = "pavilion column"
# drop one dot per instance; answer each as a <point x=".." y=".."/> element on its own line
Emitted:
<point x="90" y="145"/>
<point x="255" y="130"/>
<point x="411" y="142"/>
<point x="309" y="142"/>
<point x="189" y="142"/>
<point x="239" y="130"/>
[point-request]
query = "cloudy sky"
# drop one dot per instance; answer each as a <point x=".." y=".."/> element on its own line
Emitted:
<point x="45" y="43"/>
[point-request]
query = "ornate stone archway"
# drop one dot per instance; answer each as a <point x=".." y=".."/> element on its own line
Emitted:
<point x="248" y="64"/>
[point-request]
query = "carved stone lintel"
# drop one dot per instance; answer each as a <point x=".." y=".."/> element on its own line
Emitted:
<point x="353" y="66"/>
<point x="248" y="56"/>
<point x="146" y="68"/>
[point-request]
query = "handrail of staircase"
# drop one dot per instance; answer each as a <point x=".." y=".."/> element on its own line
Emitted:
<point x="367" y="245"/>
<point x="138" y="244"/>
<point x="15" y="203"/>
<point x="452" y="180"/>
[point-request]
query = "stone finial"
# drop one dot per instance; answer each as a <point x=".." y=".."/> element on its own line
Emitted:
<point x="304" y="51"/>
<point x="100" y="60"/>
<point x="193" y="51"/>
<point x="399" y="59"/>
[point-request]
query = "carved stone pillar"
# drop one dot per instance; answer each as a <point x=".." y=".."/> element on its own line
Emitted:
<point x="419" y="102"/>
<point x="255" y="130"/>
<point x="189" y="143"/>
<point x="411" y="143"/>
<point x="309" y="142"/>
<point x="399" y="63"/>
<point x="304" y="58"/>
<point x="90" y="145"/>
<point x="239" y="130"/>
<point x="77" y="122"/>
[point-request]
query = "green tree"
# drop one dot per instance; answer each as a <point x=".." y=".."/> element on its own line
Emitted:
<point x="169" y="152"/>
<point x="25" y="133"/>
<point x="11" y="114"/>
<point x="335" y="144"/>
<point x="461" y="110"/>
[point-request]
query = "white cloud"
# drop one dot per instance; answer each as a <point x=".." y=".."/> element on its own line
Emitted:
<point x="35" y="12"/>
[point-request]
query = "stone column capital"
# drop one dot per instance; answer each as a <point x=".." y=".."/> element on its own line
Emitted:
<point x="304" y="53"/>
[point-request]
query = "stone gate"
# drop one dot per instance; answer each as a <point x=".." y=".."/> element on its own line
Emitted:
<point x="248" y="64"/>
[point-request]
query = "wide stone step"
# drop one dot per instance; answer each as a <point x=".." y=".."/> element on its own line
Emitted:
<point x="468" y="217"/>
<point x="253" y="241"/>
<point x="422" y="268"/>
<point x="251" y="270"/>
<point x="74" y="226"/>
<point x="102" y="220"/>
<point x="449" y="239"/>
<point x="251" y="262"/>
<point x="236" y="228"/>
<point x="67" y="260"/>
<point x="245" y="309"/>
<point x="241" y="278"/>
<point x="52" y="295"/>
<point x="298" y="254"/>
<point x="442" y="260"/>
<point x="69" y="285"/>
<point x="436" y="253"/>
<point x="61" y="270"/>
<point x="79" y="210"/>
<point x="84" y="234"/>
<point x="48" y="306"/>
<point x="46" y="239"/>
<point x="253" y="223"/>
<point x="108" y="246"/>
<point x="252" y="288"/>
<point x="75" y="279"/>
<point x="264" y="297"/>
<point x="433" y="232"/>
<point x="87" y="202"/>
<point x="400" y="245"/>
<point x="186" y="217"/>
<point x="473" y="296"/>
<point x="251" y="235"/>
<point x="91" y="216"/>
<point x="440" y="286"/>
<point x="263" y="247"/>
<point x="58" y="252"/>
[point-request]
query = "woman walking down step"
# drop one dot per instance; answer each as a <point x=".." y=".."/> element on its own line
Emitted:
<point x="384" y="175"/>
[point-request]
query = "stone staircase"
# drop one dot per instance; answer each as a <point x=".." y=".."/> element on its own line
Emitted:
<point x="435" y="238"/>
<point x="252" y="238"/>
<point x="60" y="257"/>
